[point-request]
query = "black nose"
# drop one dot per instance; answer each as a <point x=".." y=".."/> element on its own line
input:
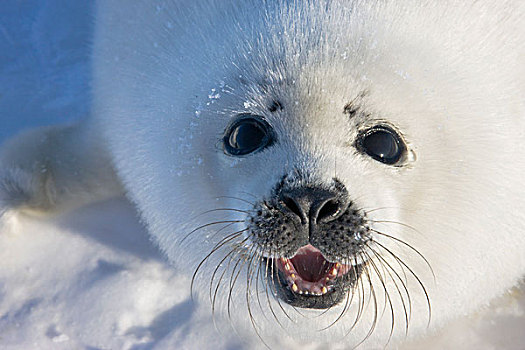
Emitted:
<point x="314" y="205"/>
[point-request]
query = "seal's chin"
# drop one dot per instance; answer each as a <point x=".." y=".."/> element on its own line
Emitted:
<point x="308" y="280"/>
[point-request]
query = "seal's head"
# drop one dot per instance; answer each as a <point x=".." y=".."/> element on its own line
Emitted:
<point x="355" y="161"/>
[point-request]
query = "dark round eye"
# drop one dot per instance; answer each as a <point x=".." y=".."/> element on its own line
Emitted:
<point x="247" y="135"/>
<point x="383" y="144"/>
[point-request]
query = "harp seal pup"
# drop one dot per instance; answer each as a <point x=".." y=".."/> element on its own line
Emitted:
<point x="343" y="172"/>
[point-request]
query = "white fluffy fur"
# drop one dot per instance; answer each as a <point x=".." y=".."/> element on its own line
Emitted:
<point x="169" y="76"/>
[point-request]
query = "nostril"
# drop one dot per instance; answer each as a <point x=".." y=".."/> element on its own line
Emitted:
<point x="292" y="205"/>
<point x="328" y="210"/>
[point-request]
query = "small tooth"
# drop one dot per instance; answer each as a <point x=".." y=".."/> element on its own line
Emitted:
<point x="287" y="267"/>
<point x="294" y="287"/>
<point x="334" y="272"/>
<point x="293" y="275"/>
<point x="327" y="279"/>
<point x="300" y="292"/>
<point x="324" y="290"/>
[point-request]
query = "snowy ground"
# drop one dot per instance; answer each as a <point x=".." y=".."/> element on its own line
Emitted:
<point x="91" y="279"/>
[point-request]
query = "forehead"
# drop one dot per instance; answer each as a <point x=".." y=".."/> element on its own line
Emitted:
<point x="294" y="87"/>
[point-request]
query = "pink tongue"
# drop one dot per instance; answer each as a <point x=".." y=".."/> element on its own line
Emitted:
<point x="310" y="264"/>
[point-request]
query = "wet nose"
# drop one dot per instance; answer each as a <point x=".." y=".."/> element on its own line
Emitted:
<point x="313" y="205"/>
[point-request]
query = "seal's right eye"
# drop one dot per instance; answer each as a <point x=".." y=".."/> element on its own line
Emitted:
<point x="247" y="135"/>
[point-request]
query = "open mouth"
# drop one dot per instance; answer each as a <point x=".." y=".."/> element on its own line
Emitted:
<point x="309" y="280"/>
<point x="309" y="273"/>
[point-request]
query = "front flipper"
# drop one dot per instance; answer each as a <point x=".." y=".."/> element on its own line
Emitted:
<point x="55" y="168"/>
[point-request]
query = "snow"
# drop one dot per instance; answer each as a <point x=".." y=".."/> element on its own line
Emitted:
<point x="90" y="278"/>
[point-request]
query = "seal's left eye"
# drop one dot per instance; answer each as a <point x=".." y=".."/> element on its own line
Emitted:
<point x="382" y="144"/>
<point x="247" y="135"/>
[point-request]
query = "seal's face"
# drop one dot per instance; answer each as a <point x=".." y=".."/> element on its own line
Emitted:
<point x="312" y="236"/>
<point x="355" y="161"/>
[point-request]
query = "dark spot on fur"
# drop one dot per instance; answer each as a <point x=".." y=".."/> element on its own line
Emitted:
<point x="351" y="109"/>
<point x="275" y="106"/>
